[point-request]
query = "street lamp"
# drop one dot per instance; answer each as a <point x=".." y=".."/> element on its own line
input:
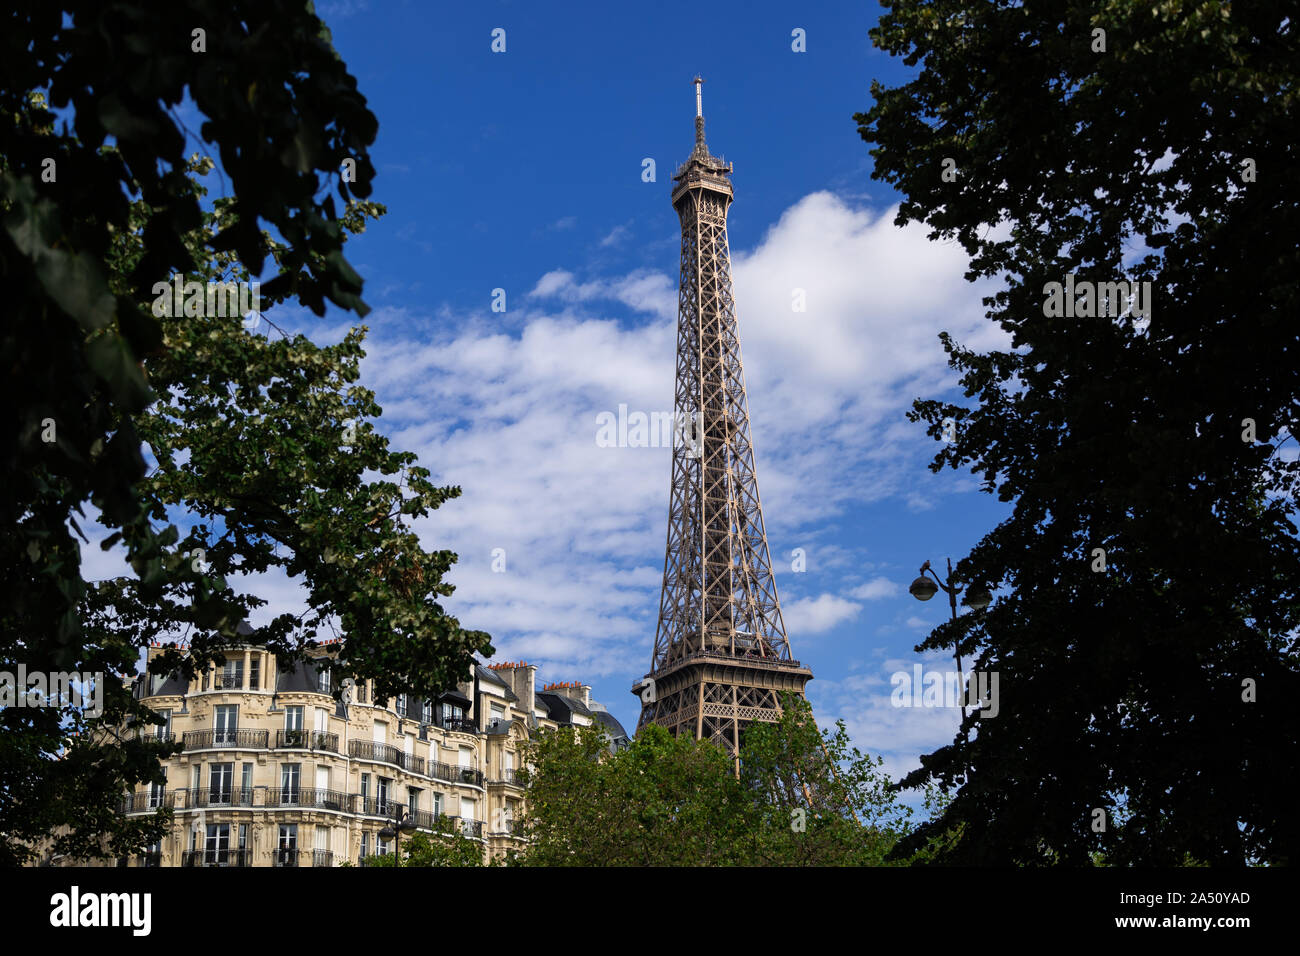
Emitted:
<point x="401" y="821"/>
<point x="976" y="597"/>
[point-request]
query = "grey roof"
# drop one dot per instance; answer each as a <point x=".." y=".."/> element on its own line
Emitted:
<point x="454" y="694"/>
<point x="302" y="677"/>
<point x="561" y="708"/>
<point x="611" y="724"/>
<point x="171" y="684"/>
<point x="487" y="674"/>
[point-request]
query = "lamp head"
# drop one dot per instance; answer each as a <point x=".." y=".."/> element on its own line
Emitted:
<point x="923" y="588"/>
<point x="977" y="598"/>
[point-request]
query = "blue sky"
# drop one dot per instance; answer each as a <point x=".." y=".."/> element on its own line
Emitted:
<point x="522" y="171"/>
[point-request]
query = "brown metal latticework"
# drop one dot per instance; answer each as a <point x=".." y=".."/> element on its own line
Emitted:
<point x="721" y="658"/>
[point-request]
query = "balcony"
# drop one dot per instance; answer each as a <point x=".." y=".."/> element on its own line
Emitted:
<point x="146" y="802"/>
<point x="383" y="753"/>
<point x="228" y="682"/>
<point x="284" y="856"/>
<point x="217" y="858"/>
<point x="306" y="740"/>
<point x="322" y="858"/>
<point x="453" y="774"/>
<point x="149" y="859"/>
<point x="309" y="798"/>
<point x="227" y="740"/>
<point x="462" y="725"/>
<point x="473" y="829"/>
<point x="156" y="736"/>
<point x="509" y="777"/>
<point x="218" y="797"/>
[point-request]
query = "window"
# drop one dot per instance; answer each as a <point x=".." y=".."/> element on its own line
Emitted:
<point x="437" y="805"/>
<point x="153" y="854"/>
<point x="227" y="722"/>
<point x="255" y="672"/>
<point x="243" y="836"/>
<point x="287" y="850"/>
<point x="467" y="809"/>
<point x="221" y="778"/>
<point x="196" y="776"/>
<point x="361" y="692"/>
<point x="232" y="675"/>
<point x="323" y="681"/>
<point x="412" y="800"/>
<point x="289" y="777"/>
<point x="157" y="792"/>
<point x="365" y="844"/>
<point x="322" y="720"/>
<point x="381" y="795"/>
<point x="381" y="845"/>
<point x="498" y="712"/>
<point x="217" y="847"/>
<point x="165" y="728"/>
<point x="426" y="712"/>
<point x="401" y="706"/>
<point x="294" y="726"/>
<point x="365" y="787"/>
<point x="450" y="712"/>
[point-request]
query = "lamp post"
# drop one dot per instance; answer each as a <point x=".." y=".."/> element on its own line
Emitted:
<point x="977" y="598"/>
<point x="401" y="821"/>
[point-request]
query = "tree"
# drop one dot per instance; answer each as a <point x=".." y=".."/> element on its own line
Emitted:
<point x="94" y="215"/>
<point x="1146" y="640"/>
<point x="448" y="847"/>
<point x="818" y="801"/>
<point x="662" y="801"/>
<point x="802" y="798"/>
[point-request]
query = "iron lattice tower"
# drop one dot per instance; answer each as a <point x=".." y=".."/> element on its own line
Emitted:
<point x="721" y="658"/>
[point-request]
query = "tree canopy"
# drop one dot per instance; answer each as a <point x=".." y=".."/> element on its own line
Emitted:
<point x="802" y="798"/>
<point x="263" y="449"/>
<point x="1145" y="630"/>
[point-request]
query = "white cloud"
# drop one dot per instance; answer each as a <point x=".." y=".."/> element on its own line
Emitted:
<point x="875" y="589"/>
<point x="815" y="615"/>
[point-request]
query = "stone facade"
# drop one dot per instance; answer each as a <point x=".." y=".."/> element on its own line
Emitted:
<point x="279" y="770"/>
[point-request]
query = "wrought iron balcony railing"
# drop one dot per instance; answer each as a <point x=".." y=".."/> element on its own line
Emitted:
<point x="383" y="753"/>
<point x="510" y="777"/>
<point x="227" y="739"/>
<point x="156" y="736"/>
<point x="471" y="828"/>
<point x="322" y="858"/>
<point x="147" y="802"/>
<point x="217" y="858"/>
<point x="310" y="798"/>
<point x="284" y="856"/>
<point x="454" y="774"/>
<point x="464" y="725"/>
<point x="219" y="797"/>
<point x="306" y="740"/>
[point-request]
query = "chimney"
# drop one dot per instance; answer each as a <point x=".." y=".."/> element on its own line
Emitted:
<point x="572" y="689"/>
<point x="522" y="677"/>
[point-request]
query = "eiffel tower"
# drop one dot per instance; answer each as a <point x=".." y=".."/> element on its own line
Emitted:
<point x="721" y="658"/>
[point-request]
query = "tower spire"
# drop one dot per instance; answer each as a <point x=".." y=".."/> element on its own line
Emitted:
<point x="700" y="148"/>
